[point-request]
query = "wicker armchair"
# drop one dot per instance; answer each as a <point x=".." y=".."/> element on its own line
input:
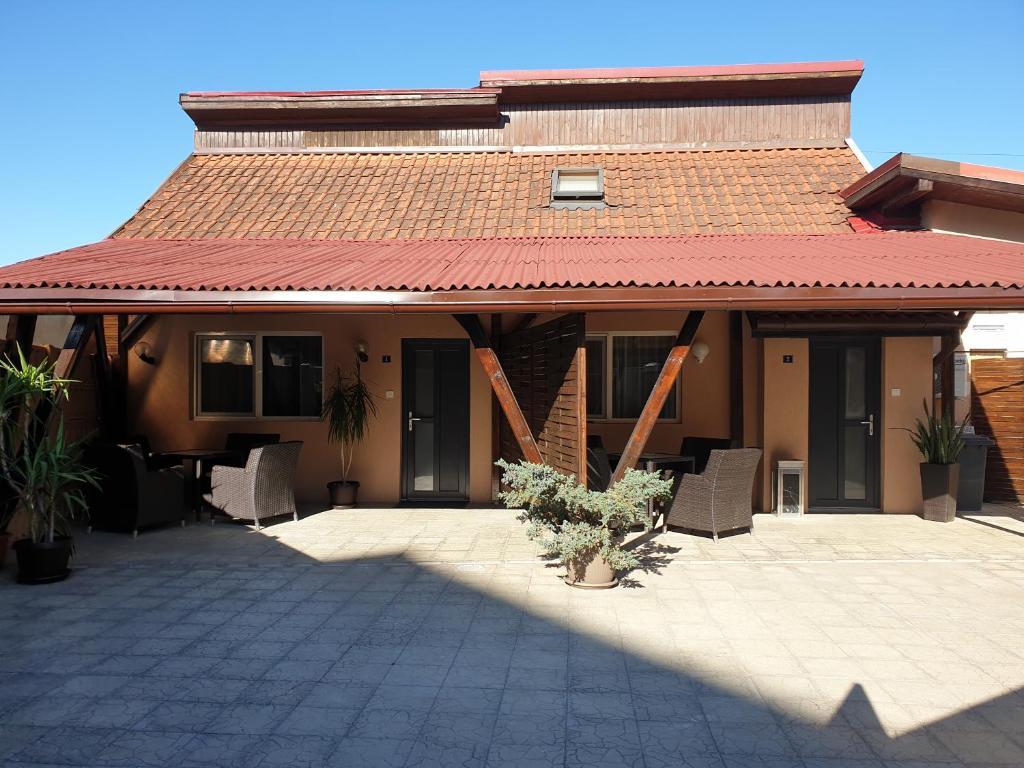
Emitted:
<point x="264" y="488"/>
<point x="719" y="499"/>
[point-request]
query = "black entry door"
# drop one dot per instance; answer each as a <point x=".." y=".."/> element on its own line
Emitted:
<point x="435" y="424"/>
<point x="845" y="422"/>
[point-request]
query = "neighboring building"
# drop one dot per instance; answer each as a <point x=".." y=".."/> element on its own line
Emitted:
<point x="982" y="202"/>
<point x="576" y="222"/>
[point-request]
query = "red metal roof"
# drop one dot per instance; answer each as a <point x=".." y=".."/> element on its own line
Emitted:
<point x="879" y="260"/>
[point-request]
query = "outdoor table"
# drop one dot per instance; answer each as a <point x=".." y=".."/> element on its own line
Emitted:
<point x="652" y="461"/>
<point x="196" y="461"/>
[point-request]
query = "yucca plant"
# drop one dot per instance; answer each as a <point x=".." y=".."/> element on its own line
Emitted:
<point x="939" y="439"/>
<point x="43" y="472"/>
<point x="347" y="408"/>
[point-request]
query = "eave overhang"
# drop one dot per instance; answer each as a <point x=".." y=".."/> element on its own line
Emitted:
<point x="406" y="107"/>
<point x="129" y="301"/>
<point x="819" y="78"/>
<point x="900" y="185"/>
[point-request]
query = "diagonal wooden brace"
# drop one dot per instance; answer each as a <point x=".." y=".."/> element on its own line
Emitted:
<point x="656" y="400"/>
<point x="499" y="383"/>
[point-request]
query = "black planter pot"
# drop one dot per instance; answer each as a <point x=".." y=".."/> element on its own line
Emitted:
<point x="343" y="493"/>
<point x="938" y="487"/>
<point x="43" y="563"/>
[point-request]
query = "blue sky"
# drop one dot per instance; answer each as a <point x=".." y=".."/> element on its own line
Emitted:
<point x="91" y="124"/>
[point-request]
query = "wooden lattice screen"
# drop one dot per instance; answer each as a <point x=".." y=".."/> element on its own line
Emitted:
<point x="546" y="368"/>
<point x="997" y="402"/>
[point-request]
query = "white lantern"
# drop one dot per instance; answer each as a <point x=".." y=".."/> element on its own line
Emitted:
<point x="789" y="485"/>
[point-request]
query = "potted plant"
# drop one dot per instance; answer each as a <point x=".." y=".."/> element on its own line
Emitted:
<point x="43" y="471"/>
<point x="347" y="409"/>
<point x="584" y="529"/>
<point x="940" y="441"/>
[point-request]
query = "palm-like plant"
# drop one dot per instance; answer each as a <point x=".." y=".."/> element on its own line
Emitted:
<point x="939" y="439"/>
<point x="43" y="471"/>
<point x="347" y="408"/>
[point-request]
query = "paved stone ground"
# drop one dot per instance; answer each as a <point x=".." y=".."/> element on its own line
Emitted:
<point x="437" y="638"/>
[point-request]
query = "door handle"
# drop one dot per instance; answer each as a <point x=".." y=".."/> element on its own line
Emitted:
<point x="870" y="424"/>
<point x="412" y="419"/>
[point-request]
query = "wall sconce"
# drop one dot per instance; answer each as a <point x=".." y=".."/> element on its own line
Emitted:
<point x="144" y="352"/>
<point x="700" y="350"/>
<point x="362" y="351"/>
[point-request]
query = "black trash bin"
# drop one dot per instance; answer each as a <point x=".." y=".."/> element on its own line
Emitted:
<point x="972" y="473"/>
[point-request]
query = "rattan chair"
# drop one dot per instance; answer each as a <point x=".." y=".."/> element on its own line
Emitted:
<point x="264" y="488"/>
<point x="718" y="500"/>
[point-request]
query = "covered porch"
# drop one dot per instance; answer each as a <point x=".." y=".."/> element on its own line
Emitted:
<point x="535" y="344"/>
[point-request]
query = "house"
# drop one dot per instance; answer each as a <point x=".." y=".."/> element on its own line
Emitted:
<point x="976" y="201"/>
<point x="640" y="254"/>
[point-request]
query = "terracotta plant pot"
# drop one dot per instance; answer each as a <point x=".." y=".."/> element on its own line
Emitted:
<point x="938" y="487"/>
<point x="591" y="573"/>
<point x="5" y="543"/>
<point x="43" y="563"/>
<point x="343" y="493"/>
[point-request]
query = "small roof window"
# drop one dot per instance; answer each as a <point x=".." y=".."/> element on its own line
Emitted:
<point x="577" y="188"/>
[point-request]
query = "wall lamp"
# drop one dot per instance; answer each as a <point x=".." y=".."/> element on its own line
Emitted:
<point x="362" y="351"/>
<point x="144" y="352"/>
<point x="700" y="350"/>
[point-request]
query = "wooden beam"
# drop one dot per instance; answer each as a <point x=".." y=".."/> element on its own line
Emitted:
<point x="499" y="383"/>
<point x="907" y="197"/>
<point x="581" y="402"/>
<point x="21" y="335"/>
<point x="495" y="414"/>
<point x="656" y="400"/>
<point x="77" y="339"/>
<point x="524" y="322"/>
<point x="131" y="332"/>
<point x="104" y="381"/>
<point x="736" y="377"/>
<point x="121" y="391"/>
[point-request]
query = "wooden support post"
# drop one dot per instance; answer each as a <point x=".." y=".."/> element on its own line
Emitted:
<point x="20" y="336"/>
<point x="944" y="361"/>
<point x="131" y="332"/>
<point x="121" y="388"/>
<point x="495" y="414"/>
<point x="104" y="381"/>
<point x="656" y="400"/>
<point x="492" y="367"/>
<point x="581" y="404"/>
<point x="736" y="377"/>
<point x="78" y="337"/>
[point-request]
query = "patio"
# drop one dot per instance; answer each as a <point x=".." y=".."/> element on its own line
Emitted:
<point x="394" y="637"/>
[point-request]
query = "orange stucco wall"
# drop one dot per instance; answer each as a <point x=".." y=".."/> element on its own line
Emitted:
<point x="775" y="397"/>
<point x="785" y="407"/>
<point x="160" y="397"/>
<point x="906" y="383"/>
<point x="705" y="386"/>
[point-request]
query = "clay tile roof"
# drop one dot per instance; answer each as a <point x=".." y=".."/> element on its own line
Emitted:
<point x="381" y="196"/>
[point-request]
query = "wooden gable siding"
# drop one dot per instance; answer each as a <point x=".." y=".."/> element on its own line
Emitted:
<point x="997" y="402"/>
<point x="691" y="123"/>
<point x="546" y="369"/>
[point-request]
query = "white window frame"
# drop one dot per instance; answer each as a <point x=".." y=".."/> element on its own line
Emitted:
<point x="609" y="368"/>
<point x="256" y="337"/>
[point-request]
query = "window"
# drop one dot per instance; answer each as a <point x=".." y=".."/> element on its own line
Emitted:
<point x="577" y="188"/>
<point x="621" y="372"/>
<point x="288" y="383"/>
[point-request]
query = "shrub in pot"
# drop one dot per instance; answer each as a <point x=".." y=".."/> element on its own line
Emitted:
<point x="42" y="470"/>
<point x="347" y="408"/>
<point x="584" y="529"/>
<point x="940" y="441"/>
